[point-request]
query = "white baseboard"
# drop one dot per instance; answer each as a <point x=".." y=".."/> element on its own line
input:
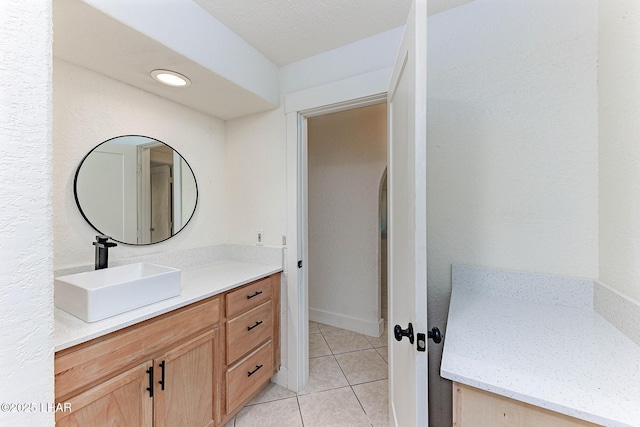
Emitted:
<point x="361" y="326"/>
<point x="281" y="377"/>
<point x="380" y="327"/>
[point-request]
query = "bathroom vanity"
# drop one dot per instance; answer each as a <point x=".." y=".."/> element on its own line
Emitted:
<point x="197" y="358"/>
<point x="528" y="349"/>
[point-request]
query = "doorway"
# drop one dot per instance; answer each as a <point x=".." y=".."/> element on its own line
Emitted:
<point x="404" y="85"/>
<point x="346" y="164"/>
<point x="359" y="91"/>
<point x="346" y="158"/>
<point x="156" y="169"/>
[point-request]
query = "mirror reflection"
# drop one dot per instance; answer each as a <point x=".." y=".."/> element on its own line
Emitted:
<point x="136" y="189"/>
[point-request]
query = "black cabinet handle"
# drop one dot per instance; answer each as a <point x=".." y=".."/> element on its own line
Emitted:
<point x="161" y="382"/>
<point x="254" y="295"/>
<point x="257" y="324"/>
<point x="150" y="388"/>
<point x="254" y="371"/>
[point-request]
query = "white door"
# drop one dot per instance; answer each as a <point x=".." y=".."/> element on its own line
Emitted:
<point x="407" y="227"/>
<point x="160" y="203"/>
<point x="104" y="187"/>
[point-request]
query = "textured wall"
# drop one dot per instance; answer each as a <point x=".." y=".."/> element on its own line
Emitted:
<point x="256" y="144"/>
<point x="619" y="124"/>
<point x="347" y="156"/>
<point x="256" y="176"/>
<point x="89" y="108"/>
<point x="513" y="149"/>
<point x="26" y="291"/>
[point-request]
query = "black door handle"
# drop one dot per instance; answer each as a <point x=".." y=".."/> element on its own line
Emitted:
<point x="399" y="333"/>
<point x="435" y="335"/>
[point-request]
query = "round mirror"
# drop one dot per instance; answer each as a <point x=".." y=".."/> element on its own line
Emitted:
<point x="136" y="190"/>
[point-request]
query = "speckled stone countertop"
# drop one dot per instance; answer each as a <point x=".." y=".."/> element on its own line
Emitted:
<point x="197" y="283"/>
<point x="535" y="338"/>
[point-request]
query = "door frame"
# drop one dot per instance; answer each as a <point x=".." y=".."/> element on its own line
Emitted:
<point x="359" y="91"/>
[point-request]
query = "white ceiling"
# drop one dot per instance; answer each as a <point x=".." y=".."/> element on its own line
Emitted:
<point x="87" y="37"/>
<point x="287" y="31"/>
<point x="284" y="31"/>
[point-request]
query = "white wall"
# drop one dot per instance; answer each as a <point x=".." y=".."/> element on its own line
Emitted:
<point x="347" y="156"/>
<point x="256" y="144"/>
<point x="89" y="108"/>
<point x="26" y="245"/>
<point x="256" y="176"/>
<point x="513" y="149"/>
<point x="619" y="125"/>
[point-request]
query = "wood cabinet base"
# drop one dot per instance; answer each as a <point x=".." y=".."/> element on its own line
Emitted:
<point x="195" y="366"/>
<point x="478" y="408"/>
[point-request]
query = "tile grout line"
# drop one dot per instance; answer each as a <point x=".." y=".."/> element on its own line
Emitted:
<point x="351" y="386"/>
<point x="367" y="382"/>
<point x="300" y="410"/>
<point x="360" y="403"/>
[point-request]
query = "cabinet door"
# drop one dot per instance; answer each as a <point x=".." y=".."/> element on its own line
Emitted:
<point x="184" y="384"/>
<point x="122" y="401"/>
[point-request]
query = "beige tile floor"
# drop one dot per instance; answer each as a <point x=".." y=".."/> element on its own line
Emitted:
<point x="347" y="386"/>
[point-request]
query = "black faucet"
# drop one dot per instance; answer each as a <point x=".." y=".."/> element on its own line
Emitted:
<point x="102" y="251"/>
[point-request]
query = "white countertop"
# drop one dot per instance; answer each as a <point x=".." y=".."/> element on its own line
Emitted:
<point x="197" y="283"/>
<point x="566" y="359"/>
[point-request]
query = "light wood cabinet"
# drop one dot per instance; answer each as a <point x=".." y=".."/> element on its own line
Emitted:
<point x="248" y="376"/>
<point x="478" y="408"/>
<point x="84" y="365"/>
<point x="248" y="330"/>
<point x="184" y="386"/>
<point x="252" y="345"/>
<point x="183" y="368"/>
<point x="120" y="401"/>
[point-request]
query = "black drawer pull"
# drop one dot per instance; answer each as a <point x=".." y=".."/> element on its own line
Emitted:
<point x="254" y="371"/>
<point x="257" y="324"/>
<point x="254" y="295"/>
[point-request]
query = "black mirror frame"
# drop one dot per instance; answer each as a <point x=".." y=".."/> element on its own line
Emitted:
<point x="75" y="191"/>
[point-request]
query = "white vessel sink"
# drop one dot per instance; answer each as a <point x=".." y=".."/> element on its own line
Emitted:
<point x="96" y="295"/>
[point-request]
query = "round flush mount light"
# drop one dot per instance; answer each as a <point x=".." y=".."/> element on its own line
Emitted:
<point x="170" y="78"/>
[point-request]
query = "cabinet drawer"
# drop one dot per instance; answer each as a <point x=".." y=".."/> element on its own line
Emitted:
<point x="85" y="364"/>
<point x="248" y="297"/>
<point x="248" y="330"/>
<point x="248" y="376"/>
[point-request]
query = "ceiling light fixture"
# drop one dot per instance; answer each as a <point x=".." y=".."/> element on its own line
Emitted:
<point x="170" y="78"/>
